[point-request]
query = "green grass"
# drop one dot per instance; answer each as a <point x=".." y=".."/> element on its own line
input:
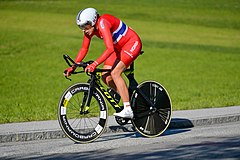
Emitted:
<point x="191" y="47"/>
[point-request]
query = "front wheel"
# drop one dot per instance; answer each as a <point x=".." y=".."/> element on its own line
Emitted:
<point x="81" y="123"/>
<point x="152" y="109"/>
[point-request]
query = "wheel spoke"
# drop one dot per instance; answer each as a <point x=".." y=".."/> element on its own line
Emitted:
<point x="79" y="123"/>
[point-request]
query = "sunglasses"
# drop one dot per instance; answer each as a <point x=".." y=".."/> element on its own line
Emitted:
<point x="83" y="26"/>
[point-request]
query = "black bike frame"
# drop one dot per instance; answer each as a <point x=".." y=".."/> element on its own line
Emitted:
<point x="95" y="82"/>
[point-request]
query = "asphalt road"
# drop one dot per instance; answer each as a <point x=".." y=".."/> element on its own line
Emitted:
<point x="206" y="142"/>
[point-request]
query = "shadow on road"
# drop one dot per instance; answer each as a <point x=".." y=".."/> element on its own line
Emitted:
<point x="137" y="135"/>
<point x="226" y="149"/>
<point x="172" y="129"/>
<point x="180" y="123"/>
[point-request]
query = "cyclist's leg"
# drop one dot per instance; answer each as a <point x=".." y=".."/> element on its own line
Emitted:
<point x="122" y="90"/>
<point x="106" y="76"/>
<point x="119" y="81"/>
<point x="129" y="53"/>
<point x="117" y="67"/>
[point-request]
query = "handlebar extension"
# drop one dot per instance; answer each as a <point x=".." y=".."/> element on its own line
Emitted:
<point x="68" y="59"/>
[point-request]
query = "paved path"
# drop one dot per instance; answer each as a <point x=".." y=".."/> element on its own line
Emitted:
<point x="39" y="130"/>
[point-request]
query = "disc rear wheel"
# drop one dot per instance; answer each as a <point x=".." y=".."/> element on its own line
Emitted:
<point x="152" y="110"/>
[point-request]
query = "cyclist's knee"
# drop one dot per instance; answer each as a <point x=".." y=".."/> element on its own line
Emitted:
<point x="117" y="71"/>
<point x="115" y="74"/>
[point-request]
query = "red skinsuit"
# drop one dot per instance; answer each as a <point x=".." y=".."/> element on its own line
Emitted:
<point x="121" y="42"/>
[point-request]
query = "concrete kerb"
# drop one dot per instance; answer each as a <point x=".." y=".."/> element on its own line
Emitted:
<point x="176" y="123"/>
<point x="31" y="136"/>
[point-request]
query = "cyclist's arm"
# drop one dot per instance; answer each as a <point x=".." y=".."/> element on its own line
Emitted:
<point x="84" y="49"/>
<point x="104" y="28"/>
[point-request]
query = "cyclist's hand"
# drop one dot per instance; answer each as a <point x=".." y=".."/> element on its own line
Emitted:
<point x="91" y="67"/>
<point x="67" y="72"/>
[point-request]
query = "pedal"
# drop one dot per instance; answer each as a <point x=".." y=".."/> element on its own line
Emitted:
<point x="121" y="121"/>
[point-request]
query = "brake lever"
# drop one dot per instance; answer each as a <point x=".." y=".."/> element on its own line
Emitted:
<point x="73" y="73"/>
<point x="68" y="78"/>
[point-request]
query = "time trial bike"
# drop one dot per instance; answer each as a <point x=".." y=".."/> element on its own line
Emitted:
<point x="83" y="111"/>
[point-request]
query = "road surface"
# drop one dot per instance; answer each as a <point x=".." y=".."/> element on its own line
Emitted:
<point x="208" y="142"/>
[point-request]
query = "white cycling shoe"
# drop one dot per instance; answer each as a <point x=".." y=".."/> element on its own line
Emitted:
<point x="125" y="113"/>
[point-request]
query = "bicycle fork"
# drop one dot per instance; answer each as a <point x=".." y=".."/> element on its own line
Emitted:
<point x="84" y="108"/>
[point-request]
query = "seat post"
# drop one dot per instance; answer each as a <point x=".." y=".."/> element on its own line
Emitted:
<point x="132" y="66"/>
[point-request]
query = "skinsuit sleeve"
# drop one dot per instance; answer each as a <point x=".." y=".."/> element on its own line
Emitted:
<point x="104" y="28"/>
<point x="84" y="49"/>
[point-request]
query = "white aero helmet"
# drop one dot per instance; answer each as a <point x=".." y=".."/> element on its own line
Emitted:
<point x="87" y="16"/>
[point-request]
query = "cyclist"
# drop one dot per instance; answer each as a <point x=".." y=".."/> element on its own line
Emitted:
<point x="123" y="46"/>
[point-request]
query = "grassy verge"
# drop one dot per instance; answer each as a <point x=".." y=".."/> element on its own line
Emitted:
<point x="191" y="47"/>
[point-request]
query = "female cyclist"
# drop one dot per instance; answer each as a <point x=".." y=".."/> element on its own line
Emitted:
<point x="123" y="46"/>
